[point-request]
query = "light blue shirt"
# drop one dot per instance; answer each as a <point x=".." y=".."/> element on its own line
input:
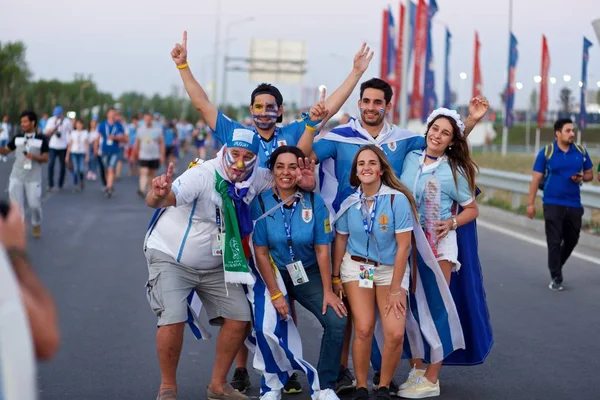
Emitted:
<point x="343" y="154"/>
<point x="169" y="136"/>
<point x="390" y="219"/>
<point x="132" y="131"/>
<point x="450" y="191"/>
<point x="288" y="135"/>
<point x="305" y="232"/>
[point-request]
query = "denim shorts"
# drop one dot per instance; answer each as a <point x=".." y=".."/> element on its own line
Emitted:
<point x="110" y="160"/>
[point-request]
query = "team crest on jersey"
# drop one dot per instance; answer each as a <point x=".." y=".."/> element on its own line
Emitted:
<point x="383" y="222"/>
<point x="281" y="142"/>
<point x="392" y="146"/>
<point x="307" y="215"/>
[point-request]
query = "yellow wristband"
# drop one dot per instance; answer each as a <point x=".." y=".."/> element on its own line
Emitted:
<point x="310" y="128"/>
<point x="278" y="295"/>
<point x="182" y="66"/>
<point x="336" y="280"/>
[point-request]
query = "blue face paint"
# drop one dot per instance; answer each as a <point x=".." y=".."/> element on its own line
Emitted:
<point x="244" y="166"/>
<point x="265" y="115"/>
<point x="382" y="111"/>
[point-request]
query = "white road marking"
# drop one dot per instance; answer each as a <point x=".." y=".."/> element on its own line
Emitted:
<point x="529" y="239"/>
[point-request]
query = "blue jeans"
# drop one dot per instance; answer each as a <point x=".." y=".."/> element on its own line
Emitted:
<point x="54" y="154"/>
<point x="310" y="296"/>
<point x="78" y="162"/>
<point x="93" y="161"/>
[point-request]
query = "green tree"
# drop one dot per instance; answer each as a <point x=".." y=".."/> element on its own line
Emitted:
<point x="14" y="75"/>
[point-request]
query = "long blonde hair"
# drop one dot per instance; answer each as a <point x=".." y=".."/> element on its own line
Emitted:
<point x="388" y="177"/>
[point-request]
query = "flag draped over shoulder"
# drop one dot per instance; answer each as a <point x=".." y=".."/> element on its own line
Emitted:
<point x="433" y="329"/>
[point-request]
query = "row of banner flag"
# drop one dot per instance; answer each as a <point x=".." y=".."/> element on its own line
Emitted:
<point x="423" y="99"/>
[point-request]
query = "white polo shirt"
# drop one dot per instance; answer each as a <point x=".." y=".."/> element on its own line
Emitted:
<point x="185" y="231"/>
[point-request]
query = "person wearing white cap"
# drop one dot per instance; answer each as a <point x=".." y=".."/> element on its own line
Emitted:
<point x="58" y="129"/>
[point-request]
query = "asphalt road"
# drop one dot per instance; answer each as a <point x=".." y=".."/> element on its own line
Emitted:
<point x="90" y="257"/>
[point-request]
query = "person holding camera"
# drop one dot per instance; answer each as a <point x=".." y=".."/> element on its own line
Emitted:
<point x="25" y="182"/>
<point x="559" y="170"/>
<point x="57" y="129"/>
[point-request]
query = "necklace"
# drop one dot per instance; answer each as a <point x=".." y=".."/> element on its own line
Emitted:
<point x="431" y="157"/>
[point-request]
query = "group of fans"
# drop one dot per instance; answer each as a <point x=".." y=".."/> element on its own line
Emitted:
<point x="371" y="254"/>
<point x="88" y="152"/>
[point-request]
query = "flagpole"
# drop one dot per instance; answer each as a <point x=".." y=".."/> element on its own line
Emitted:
<point x="405" y="66"/>
<point x="505" y="128"/>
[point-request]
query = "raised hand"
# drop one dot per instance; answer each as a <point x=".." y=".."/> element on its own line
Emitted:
<point x="319" y="112"/>
<point x="161" y="185"/>
<point x="179" y="52"/>
<point x="306" y="174"/>
<point x="478" y="107"/>
<point x="362" y="59"/>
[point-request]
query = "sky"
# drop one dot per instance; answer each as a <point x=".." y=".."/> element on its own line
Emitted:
<point x="125" y="44"/>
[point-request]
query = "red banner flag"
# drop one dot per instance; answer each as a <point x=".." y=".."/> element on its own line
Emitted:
<point x="384" y="46"/>
<point x="420" y="44"/>
<point x="397" y="85"/>
<point x="477" y="84"/>
<point x="544" y="84"/>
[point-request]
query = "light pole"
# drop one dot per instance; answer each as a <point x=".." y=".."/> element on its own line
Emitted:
<point x="537" y="79"/>
<point x="463" y="78"/>
<point x="226" y="54"/>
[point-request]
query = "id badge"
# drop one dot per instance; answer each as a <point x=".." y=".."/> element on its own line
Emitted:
<point x="27" y="164"/>
<point x="217" y="244"/>
<point x="297" y="273"/>
<point x="365" y="278"/>
<point x="109" y="142"/>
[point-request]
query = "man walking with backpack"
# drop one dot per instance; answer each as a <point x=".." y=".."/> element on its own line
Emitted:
<point x="559" y="170"/>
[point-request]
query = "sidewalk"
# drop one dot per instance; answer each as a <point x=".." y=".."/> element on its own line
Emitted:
<point x="520" y="225"/>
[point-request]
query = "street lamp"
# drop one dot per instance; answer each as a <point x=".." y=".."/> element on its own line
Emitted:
<point x="598" y="84"/>
<point x="552" y="80"/>
<point x="226" y="54"/>
<point x="519" y="85"/>
<point x="463" y="75"/>
<point x="537" y="79"/>
<point x="580" y="84"/>
<point x="463" y="78"/>
<point x="567" y="78"/>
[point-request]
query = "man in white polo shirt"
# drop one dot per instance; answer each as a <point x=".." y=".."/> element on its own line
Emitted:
<point x="198" y="240"/>
<point x="58" y="129"/>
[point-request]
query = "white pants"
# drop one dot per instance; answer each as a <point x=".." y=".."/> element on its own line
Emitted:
<point x="18" y="191"/>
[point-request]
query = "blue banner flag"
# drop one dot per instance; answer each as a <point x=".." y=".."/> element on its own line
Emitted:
<point x="391" y="47"/>
<point x="447" y="91"/>
<point x="513" y="56"/>
<point x="582" y="112"/>
<point x="429" y="96"/>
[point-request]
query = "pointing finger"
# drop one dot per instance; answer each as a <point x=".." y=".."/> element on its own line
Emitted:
<point x="184" y="41"/>
<point x="170" y="170"/>
<point x="323" y="93"/>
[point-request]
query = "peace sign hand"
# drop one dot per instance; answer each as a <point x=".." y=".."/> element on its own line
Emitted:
<point x="161" y="185"/>
<point x="319" y="112"/>
<point x="179" y="52"/>
<point x="362" y="59"/>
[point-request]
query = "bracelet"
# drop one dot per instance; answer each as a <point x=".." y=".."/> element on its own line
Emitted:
<point x="397" y="294"/>
<point x="182" y="66"/>
<point x="336" y="280"/>
<point x="275" y="297"/>
<point x="335" y="276"/>
<point x="310" y="128"/>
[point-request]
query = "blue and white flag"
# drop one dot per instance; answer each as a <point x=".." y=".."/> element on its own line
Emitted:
<point x="193" y="317"/>
<point x="584" y="63"/>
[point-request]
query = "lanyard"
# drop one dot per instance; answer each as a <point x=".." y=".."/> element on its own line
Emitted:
<point x="368" y="226"/>
<point x="273" y="141"/>
<point x="288" y="228"/>
<point x="218" y="218"/>
<point x="112" y="130"/>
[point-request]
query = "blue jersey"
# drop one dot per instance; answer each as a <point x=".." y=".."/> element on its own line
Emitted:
<point x="169" y="136"/>
<point x="309" y="225"/>
<point x="288" y="135"/>
<point x="451" y="191"/>
<point x="559" y="189"/>
<point x="132" y="131"/>
<point x="105" y="129"/>
<point x="343" y="155"/>
<point x="389" y="219"/>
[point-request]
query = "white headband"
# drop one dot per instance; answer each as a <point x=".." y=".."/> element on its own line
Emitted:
<point x="448" y="113"/>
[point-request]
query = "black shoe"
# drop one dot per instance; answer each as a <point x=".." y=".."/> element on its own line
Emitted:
<point x="393" y="389"/>
<point x="383" y="393"/>
<point x="555" y="286"/>
<point x="292" y="386"/>
<point x="345" y="381"/>
<point x="360" y="394"/>
<point x="241" y="380"/>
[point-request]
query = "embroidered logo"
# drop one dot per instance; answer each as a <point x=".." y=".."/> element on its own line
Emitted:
<point x="307" y="215"/>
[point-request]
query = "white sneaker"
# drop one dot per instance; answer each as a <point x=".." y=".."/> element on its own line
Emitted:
<point x="412" y="377"/>
<point x="272" y="395"/>
<point x="420" y="389"/>
<point x="327" y="394"/>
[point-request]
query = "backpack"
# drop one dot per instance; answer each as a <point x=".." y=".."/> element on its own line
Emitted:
<point x="548" y="152"/>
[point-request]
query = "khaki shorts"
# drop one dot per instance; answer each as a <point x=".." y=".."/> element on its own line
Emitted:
<point x="350" y="271"/>
<point x="170" y="283"/>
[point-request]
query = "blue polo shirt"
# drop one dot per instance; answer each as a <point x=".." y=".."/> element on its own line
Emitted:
<point x="288" y="135"/>
<point x="389" y="220"/>
<point x="559" y="189"/>
<point x="343" y="155"/>
<point x="309" y="226"/>
<point x="105" y="129"/>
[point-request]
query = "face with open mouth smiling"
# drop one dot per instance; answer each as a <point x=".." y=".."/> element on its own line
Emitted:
<point x="440" y="135"/>
<point x="368" y="167"/>
<point x="285" y="171"/>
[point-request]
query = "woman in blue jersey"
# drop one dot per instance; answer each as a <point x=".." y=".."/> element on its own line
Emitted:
<point x="291" y="243"/>
<point x="374" y="228"/>
<point x="441" y="177"/>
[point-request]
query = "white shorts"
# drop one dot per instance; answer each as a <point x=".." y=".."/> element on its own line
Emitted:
<point x="448" y="250"/>
<point x="350" y="271"/>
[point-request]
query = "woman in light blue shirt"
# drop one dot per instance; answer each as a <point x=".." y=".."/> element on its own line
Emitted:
<point x="441" y="177"/>
<point x="374" y="228"/>
<point x="291" y="239"/>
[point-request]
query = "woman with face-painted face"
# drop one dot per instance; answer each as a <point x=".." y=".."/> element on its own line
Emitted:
<point x="441" y="178"/>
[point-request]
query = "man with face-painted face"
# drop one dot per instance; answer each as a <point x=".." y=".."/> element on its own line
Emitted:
<point x="266" y="107"/>
<point x="198" y="240"/>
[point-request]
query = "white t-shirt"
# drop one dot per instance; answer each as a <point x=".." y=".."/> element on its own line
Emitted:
<point x="17" y="359"/>
<point x="65" y="127"/>
<point x="185" y="231"/>
<point x="4" y="131"/>
<point x="78" y="141"/>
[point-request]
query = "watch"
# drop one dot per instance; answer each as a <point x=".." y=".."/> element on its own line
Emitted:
<point x="454" y="223"/>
